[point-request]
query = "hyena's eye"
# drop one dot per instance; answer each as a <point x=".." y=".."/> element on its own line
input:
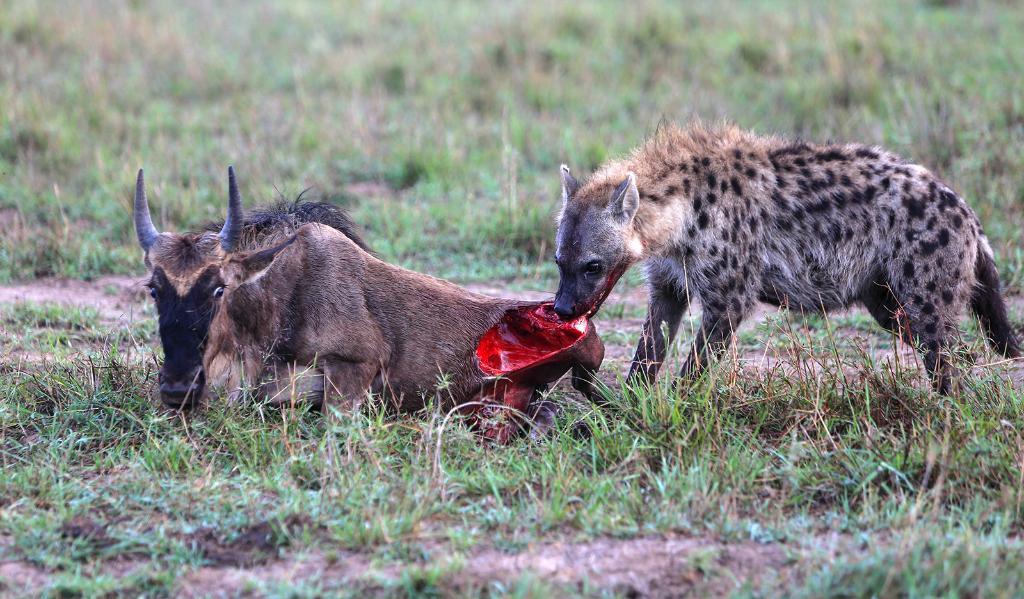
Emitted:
<point x="592" y="268"/>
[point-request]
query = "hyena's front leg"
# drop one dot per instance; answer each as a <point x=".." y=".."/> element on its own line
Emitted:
<point x="665" y="310"/>
<point x="722" y="314"/>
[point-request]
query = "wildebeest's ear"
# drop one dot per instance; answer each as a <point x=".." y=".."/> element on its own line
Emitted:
<point x="257" y="262"/>
<point x="625" y="200"/>
<point x="569" y="184"/>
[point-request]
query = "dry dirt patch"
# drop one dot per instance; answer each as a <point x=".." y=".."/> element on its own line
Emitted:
<point x="643" y="567"/>
<point x="115" y="297"/>
<point x="21" y="577"/>
<point x="646" y="567"/>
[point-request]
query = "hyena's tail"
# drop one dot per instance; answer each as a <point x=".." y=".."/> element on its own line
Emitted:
<point x="988" y="305"/>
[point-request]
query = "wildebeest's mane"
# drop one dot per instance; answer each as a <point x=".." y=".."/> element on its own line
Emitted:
<point x="266" y="222"/>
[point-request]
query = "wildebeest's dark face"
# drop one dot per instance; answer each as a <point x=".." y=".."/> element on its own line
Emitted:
<point x="186" y="297"/>
<point x="186" y="285"/>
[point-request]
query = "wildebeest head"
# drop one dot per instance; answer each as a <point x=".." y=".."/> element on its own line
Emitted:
<point x="185" y="282"/>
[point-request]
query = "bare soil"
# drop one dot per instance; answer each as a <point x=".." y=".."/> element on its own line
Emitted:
<point x="662" y="566"/>
<point x="655" y="566"/>
<point x="114" y="297"/>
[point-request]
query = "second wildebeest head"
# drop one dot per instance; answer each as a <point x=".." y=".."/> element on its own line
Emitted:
<point x="185" y="280"/>
<point x="595" y="242"/>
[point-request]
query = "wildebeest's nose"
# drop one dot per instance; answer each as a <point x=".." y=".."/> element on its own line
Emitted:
<point x="182" y="392"/>
<point x="564" y="309"/>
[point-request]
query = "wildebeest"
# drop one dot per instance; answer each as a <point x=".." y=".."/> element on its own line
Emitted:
<point x="318" y="300"/>
<point x="184" y="275"/>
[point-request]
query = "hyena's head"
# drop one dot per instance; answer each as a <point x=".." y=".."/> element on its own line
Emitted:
<point x="596" y="241"/>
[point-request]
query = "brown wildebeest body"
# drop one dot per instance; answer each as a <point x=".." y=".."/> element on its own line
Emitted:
<point x="319" y="300"/>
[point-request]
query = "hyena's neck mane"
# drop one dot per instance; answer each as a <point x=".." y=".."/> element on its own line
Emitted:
<point x="668" y="156"/>
<point x="669" y="167"/>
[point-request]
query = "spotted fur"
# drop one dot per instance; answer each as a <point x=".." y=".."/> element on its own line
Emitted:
<point x="731" y="218"/>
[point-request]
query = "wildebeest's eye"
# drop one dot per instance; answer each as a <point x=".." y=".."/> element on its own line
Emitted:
<point x="218" y="292"/>
<point x="592" y="268"/>
<point x="152" y="292"/>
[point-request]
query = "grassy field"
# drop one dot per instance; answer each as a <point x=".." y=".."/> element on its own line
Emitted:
<point x="812" y="463"/>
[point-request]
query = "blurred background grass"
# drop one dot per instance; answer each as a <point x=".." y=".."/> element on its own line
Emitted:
<point x="442" y="124"/>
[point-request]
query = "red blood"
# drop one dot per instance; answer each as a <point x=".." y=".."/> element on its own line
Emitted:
<point x="526" y="337"/>
<point x="613" y="278"/>
<point x="528" y="347"/>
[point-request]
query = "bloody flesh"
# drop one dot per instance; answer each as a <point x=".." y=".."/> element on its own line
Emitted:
<point x="525" y="337"/>
<point x="534" y="335"/>
<point x="528" y="348"/>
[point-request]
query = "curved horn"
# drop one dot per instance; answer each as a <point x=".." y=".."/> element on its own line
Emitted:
<point x="144" y="228"/>
<point x="232" y="229"/>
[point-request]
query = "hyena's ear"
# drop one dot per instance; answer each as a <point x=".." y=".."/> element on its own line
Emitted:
<point x="625" y="200"/>
<point x="569" y="184"/>
<point x="257" y="263"/>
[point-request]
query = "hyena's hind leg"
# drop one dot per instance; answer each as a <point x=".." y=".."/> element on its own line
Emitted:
<point x="932" y="287"/>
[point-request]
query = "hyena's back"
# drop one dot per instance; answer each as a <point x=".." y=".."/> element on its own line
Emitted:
<point x="820" y="227"/>
<point x="844" y="218"/>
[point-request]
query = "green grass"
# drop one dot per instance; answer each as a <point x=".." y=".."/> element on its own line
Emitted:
<point x="60" y="330"/>
<point x="928" y="484"/>
<point x="441" y="127"/>
<point x="461" y="120"/>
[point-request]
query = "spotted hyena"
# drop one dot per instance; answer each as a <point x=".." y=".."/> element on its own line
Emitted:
<point x="732" y="218"/>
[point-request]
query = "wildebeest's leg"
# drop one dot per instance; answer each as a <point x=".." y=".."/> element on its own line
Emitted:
<point x="588" y="357"/>
<point x="542" y="413"/>
<point x="585" y="381"/>
<point x="348" y="380"/>
<point x="664" y="311"/>
<point x="288" y="383"/>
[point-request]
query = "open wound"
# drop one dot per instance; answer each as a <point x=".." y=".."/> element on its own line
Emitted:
<point x="528" y="348"/>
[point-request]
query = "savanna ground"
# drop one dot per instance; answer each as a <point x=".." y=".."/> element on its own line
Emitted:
<point x="812" y="462"/>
